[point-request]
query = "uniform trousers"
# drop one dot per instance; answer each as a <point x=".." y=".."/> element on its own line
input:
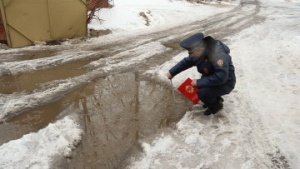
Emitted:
<point x="211" y="96"/>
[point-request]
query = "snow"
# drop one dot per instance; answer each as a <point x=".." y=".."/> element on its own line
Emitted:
<point x="37" y="150"/>
<point x="162" y="14"/>
<point x="266" y="57"/>
<point x="271" y="67"/>
<point x="264" y="105"/>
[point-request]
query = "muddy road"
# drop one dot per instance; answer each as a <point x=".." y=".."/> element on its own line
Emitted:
<point x="105" y="86"/>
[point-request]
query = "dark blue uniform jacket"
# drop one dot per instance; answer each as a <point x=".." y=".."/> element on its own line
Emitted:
<point x="215" y="66"/>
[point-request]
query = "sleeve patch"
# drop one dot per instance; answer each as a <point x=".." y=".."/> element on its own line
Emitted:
<point x="220" y="62"/>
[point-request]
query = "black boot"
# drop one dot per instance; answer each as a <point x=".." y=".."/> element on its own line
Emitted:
<point x="213" y="109"/>
<point x="221" y="100"/>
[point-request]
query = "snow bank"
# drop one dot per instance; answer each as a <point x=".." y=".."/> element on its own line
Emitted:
<point x="37" y="150"/>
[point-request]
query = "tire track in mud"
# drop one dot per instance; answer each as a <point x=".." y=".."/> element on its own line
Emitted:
<point x="110" y="58"/>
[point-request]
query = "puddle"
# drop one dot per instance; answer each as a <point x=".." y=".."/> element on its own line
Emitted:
<point x="114" y="112"/>
<point x="31" y="80"/>
<point x="29" y="56"/>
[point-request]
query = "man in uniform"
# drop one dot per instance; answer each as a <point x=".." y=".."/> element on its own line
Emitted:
<point x="212" y="59"/>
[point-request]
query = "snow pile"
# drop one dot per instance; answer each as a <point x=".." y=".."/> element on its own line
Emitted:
<point x="37" y="150"/>
<point x="152" y="15"/>
<point x="180" y="149"/>
<point x="161" y="71"/>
